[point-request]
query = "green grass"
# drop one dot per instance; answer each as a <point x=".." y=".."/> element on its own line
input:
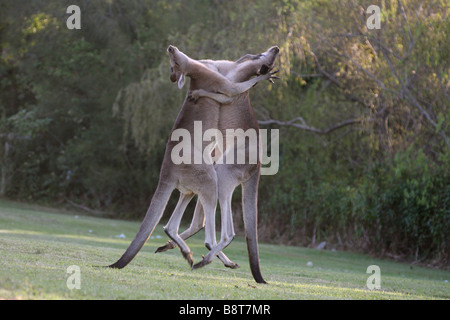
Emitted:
<point x="37" y="245"/>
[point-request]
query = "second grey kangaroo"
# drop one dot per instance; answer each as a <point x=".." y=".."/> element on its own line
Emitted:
<point x="238" y="115"/>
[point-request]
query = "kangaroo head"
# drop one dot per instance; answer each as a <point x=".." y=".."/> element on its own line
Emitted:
<point x="179" y="64"/>
<point x="255" y="64"/>
<point x="267" y="59"/>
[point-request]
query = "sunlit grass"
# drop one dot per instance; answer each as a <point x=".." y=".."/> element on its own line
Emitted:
<point x="38" y="244"/>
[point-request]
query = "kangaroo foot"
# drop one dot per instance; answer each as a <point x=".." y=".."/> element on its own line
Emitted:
<point x="201" y="264"/>
<point x="227" y="262"/>
<point x="188" y="257"/>
<point x="222" y="257"/>
<point x="232" y="265"/>
<point x="169" y="245"/>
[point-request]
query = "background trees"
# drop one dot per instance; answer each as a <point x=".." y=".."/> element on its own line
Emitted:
<point x="84" y="114"/>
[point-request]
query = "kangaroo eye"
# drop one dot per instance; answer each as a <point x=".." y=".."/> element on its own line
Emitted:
<point x="171" y="69"/>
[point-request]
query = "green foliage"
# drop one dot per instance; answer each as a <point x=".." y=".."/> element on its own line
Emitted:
<point x="408" y="202"/>
<point x="26" y="124"/>
<point x="146" y="122"/>
<point x="400" y="207"/>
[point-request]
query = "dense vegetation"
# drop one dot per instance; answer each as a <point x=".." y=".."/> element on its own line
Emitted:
<point x="363" y="113"/>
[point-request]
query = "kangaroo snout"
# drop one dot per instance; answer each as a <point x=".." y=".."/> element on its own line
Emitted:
<point x="171" y="49"/>
<point x="274" y="49"/>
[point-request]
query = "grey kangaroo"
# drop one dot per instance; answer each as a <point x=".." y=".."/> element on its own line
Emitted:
<point x="238" y="115"/>
<point x="190" y="179"/>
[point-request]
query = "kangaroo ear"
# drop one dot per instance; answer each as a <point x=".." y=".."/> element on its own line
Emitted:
<point x="181" y="81"/>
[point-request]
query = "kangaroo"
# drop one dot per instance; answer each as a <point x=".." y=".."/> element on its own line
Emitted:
<point x="238" y="116"/>
<point x="189" y="179"/>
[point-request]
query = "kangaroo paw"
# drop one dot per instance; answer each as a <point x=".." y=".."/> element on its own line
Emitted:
<point x="194" y="95"/>
<point x="169" y="245"/>
<point x="232" y="265"/>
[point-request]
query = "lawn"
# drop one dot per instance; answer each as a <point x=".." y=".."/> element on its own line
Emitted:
<point x="38" y="245"/>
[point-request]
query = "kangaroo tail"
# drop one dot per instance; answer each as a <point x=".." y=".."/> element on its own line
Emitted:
<point x="250" y="210"/>
<point x="151" y="219"/>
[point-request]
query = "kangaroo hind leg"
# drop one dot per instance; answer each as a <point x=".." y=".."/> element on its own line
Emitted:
<point x="227" y="229"/>
<point x="171" y="228"/>
<point x="198" y="223"/>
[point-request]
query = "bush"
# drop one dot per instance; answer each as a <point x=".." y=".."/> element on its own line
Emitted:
<point x="403" y="207"/>
<point x="398" y="208"/>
